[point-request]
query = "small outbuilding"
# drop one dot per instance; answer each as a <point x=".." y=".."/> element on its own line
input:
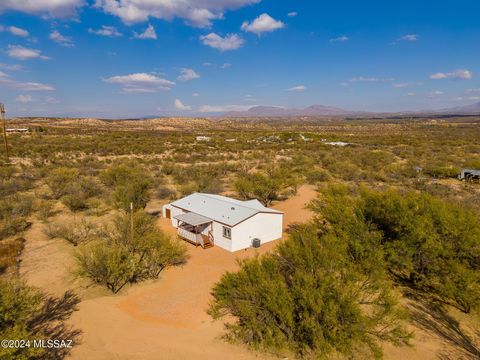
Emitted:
<point x="469" y="174"/>
<point x="213" y="220"/>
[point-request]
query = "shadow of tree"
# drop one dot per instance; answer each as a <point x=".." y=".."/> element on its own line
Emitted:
<point x="433" y="317"/>
<point x="50" y="322"/>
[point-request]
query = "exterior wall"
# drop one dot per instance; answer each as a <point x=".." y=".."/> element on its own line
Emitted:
<point x="264" y="226"/>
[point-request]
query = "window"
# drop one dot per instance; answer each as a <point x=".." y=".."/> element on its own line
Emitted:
<point x="227" y="232"/>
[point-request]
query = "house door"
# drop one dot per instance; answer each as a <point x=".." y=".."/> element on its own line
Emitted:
<point x="167" y="214"/>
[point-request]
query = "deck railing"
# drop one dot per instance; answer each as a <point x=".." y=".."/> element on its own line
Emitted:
<point x="190" y="236"/>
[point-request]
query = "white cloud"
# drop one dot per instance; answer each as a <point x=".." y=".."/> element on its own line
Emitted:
<point x="222" y="108"/>
<point x="461" y="74"/>
<point x="263" y="23"/>
<point x="292" y="14"/>
<point x="24" y="98"/>
<point x="15" y="30"/>
<point x="299" y="88"/>
<point x="34" y="86"/>
<point x="472" y="91"/>
<point x="249" y="98"/>
<point x="344" y="84"/>
<point x="51" y="100"/>
<point x="149" y="33"/>
<point x="109" y="31"/>
<point x="12" y="67"/>
<point x="369" y="79"/>
<point x="227" y="43"/>
<point x="52" y="8"/>
<point x="27" y="86"/>
<point x="61" y="39"/>
<point x="140" y="83"/>
<point x="400" y="85"/>
<point x="195" y="94"/>
<point x="408" y="37"/>
<point x="469" y="98"/>
<point x="23" y="53"/>
<point x="342" y="38"/>
<point x="187" y="75"/>
<point x="194" y="12"/>
<point x="434" y="94"/>
<point x="411" y="94"/>
<point x="180" y="106"/>
<point x="226" y="66"/>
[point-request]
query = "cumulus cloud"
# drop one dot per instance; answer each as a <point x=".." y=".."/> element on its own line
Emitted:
<point x="52" y="8"/>
<point x="299" y="88"/>
<point x="400" y="85"/>
<point x="24" y="98"/>
<point x="222" y="108"/>
<point x="51" y="100"/>
<point x="22" y="53"/>
<point x="187" y="75"/>
<point x="292" y="14"/>
<point x="461" y="74"/>
<point x="149" y="33"/>
<point x="109" y="31"/>
<point x="140" y="83"/>
<point x="226" y="66"/>
<point x="195" y="94"/>
<point x="15" y="30"/>
<point x="227" y="43"/>
<point x="263" y="23"/>
<point x="61" y="39"/>
<point x="342" y="38"/>
<point x="180" y="106"/>
<point x="194" y="12"/>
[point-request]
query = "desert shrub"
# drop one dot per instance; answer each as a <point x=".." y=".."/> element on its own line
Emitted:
<point x="266" y="187"/>
<point x="311" y="299"/>
<point x="317" y="175"/>
<point x="60" y="180"/>
<point x="164" y="192"/>
<point x="441" y="172"/>
<point x="120" y="258"/>
<point x="44" y="209"/>
<point x="14" y="211"/>
<point x="75" y="232"/>
<point x="9" y="253"/>
<point x="130" y="185"/>
<point x="26" y="313"/>
<point x="429" y="245"/>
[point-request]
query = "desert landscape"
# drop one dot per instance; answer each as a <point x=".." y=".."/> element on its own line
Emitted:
<point x="167" y="317"/>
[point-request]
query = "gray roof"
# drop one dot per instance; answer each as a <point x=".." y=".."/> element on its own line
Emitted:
<point x="193" y="218"/>
<point x="221" y="208"/>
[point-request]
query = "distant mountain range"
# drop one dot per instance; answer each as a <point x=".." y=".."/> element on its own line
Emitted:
<point x="321" y="110"/>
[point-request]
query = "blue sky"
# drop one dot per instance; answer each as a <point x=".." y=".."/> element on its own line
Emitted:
<point x="128" y="58"/>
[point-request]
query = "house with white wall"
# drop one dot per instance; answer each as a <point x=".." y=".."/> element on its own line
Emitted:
<point x="213" y="220"/>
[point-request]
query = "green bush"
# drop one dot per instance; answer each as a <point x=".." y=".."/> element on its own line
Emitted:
<point x="429" y="244"/>
<point x="26" y="313"/>
<point x="118" y="259"/>
<point x="311" y="299"/>
<point x="59" y="180"/>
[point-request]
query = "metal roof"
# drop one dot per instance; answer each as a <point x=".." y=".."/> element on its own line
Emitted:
<point x="221" y="208"/>
<point x="193" y="219"/>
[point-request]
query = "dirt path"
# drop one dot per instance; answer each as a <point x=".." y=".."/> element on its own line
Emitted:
<point x="167" y="319"/>
<point x="164" y="319"/>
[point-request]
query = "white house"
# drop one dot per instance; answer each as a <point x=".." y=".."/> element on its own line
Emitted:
<point x="213" y="220"/>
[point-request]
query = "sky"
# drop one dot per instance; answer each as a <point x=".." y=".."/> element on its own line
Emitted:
<point x="135" y="58"/>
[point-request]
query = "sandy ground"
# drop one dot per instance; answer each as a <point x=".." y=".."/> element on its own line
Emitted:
<point x="167" y="319"/>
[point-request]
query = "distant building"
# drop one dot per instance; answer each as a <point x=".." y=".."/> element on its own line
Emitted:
<point x="20" y="130"/>
<point x="469" y="174"/>
<point x="207" y="220"/>
<point x="337" y="143"/>
<point x="203" y="138"/>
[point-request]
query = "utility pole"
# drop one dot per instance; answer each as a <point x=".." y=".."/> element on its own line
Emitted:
<point x="131" y="221"/>
<point x="2" y="115"/>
